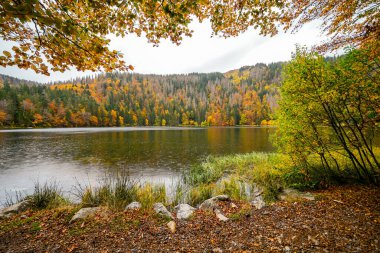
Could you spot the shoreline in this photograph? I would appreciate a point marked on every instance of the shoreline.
(344, 218)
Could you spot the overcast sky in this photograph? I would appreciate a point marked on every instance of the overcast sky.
(200, 53)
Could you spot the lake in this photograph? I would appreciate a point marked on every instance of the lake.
(155, 154)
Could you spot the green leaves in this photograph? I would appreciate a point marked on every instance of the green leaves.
(327, 108)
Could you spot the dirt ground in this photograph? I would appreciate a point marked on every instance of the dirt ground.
(341, 219)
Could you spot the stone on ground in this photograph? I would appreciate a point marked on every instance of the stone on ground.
(292, 194)
(13, 209)
(208, 204)
(133, 205)
(172, 226)
(221, 198)
(84, 213)
(211, 203)
(220, 216)
(160, 209)
(184, 211)
(258, 202)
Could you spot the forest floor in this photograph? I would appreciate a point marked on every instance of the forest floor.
(341, 219)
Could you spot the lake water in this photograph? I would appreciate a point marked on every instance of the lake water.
(153, 154)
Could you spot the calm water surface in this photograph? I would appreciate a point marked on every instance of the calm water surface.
(152, 154)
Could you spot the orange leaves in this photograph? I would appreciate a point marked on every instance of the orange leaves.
(348, 23)
(3, 116)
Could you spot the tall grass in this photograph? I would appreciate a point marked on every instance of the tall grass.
(118, 190)
(47, 195)
(233, 175)
(114, 190)
(200, 193)
(149, 194)
(11, 199)
(229, 175)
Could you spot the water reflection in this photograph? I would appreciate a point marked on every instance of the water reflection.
(154, 154)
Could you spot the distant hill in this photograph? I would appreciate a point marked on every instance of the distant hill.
(15, 81)
(246, 96)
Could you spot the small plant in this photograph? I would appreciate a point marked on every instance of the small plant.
(115, 191)
(48, 195)
(179, 193)
(148, 194)
(243, 212)
(35, 226)
(200, 193)
(233, 187)
(11, 199)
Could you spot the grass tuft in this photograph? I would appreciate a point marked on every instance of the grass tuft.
(47, 195)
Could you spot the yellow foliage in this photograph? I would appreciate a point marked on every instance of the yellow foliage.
(3, 116)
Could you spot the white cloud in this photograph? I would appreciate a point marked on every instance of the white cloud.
(200, 53)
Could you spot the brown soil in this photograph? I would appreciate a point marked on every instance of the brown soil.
(342, 219)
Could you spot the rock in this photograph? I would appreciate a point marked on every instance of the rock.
(133, 205)
(160, 209)
(257, 191)
(210, 203)
(13, 209)
(293, 194)
(258, 202)
(221, 198)
(9, 215)
(287, 249)
(220, 215)
(184, 211)
(313, 240)
(172, 226)
(84, 213)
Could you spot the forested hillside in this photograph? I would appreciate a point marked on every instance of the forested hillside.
(247, 96)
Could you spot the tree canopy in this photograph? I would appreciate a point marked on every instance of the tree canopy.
(66, 33)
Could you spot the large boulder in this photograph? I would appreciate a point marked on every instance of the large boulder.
(184, 211)
(84, 213)
(13, 209)
(160, 209)
(133, 206)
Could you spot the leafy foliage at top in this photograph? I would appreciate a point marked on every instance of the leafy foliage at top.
(69, 33)
(73, 33)
(348, 23)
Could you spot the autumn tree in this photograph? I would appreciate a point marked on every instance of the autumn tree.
(3, 117)
(68, 33)
(347, 23)
(329, 109)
